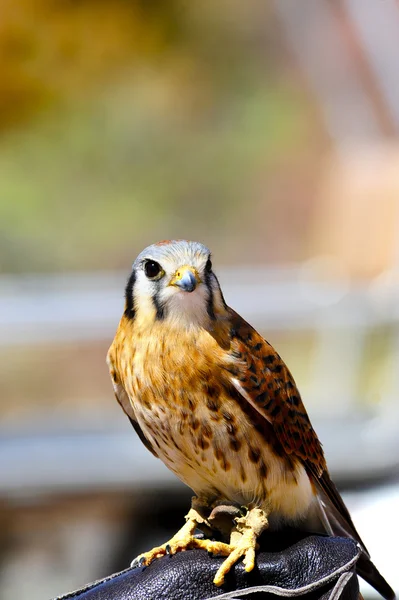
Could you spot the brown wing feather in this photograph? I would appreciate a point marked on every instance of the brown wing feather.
(269, 386)
(267, 381)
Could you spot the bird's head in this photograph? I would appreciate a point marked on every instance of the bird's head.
(174, 281)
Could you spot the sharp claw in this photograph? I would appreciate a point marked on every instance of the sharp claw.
(138, 562)
(168, 549)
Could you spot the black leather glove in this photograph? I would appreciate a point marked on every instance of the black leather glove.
(311, 568)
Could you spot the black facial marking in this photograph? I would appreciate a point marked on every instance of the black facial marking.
(159, 306)
(129, 291)
(209, 304)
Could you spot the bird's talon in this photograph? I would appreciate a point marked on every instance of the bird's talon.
(139, 561)
(167, 549)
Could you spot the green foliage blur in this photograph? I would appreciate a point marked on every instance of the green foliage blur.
(127, 122)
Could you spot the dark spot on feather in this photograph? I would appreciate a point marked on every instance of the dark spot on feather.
(206, 430)
(175, 444)
(255, 381)
(258, 347)
(218, 453)
(145, 401)
(269, 359)
(253, 454)
(252, 368)
(235, 444)
(262, 470)
(227, 416)
(262, 398)
(295, 400)
(211, 390)
(247, 387)
(194, 423)
(215, 417)
(243, 476)
(276, 411)
(156, 442)
(244, 334)
(212, 404)
(202, 443)
(222, 459)
(277, 369)
(270, 385)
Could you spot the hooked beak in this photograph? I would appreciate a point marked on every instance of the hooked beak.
(186, 278)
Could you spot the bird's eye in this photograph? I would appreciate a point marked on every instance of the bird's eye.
(152, 269)
(208, 266)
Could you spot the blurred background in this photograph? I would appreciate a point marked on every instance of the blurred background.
(267, 130)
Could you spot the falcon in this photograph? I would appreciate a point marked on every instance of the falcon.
(215, 402)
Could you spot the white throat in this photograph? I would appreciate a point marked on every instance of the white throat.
(187, 310)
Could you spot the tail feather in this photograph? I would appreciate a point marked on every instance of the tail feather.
(369, 572)
(339, 523)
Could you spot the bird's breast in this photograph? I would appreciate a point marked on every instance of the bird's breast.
(206, 433)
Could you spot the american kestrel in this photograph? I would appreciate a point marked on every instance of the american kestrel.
(215, 402)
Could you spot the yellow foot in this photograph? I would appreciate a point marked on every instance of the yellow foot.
(242, 542)
(183, 540)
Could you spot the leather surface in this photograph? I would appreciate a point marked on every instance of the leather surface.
(316, 567)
